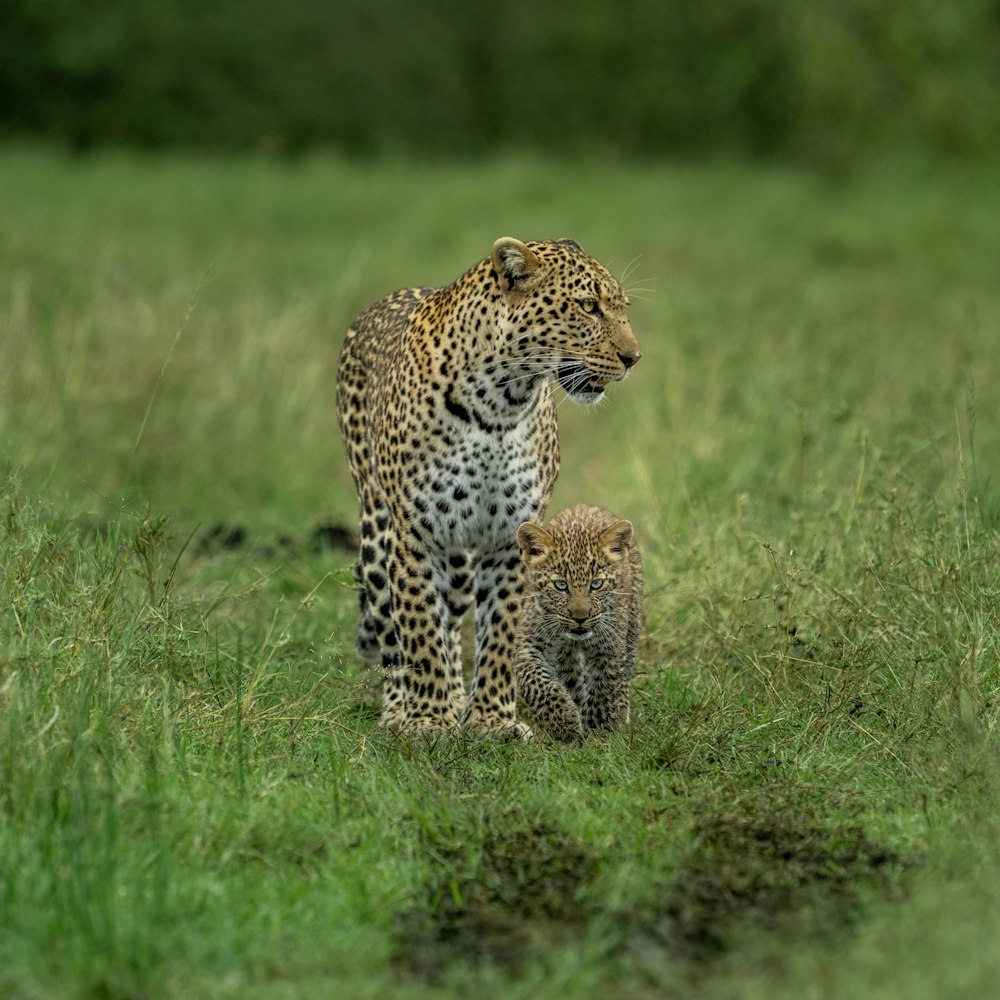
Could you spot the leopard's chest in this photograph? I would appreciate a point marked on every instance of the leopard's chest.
(474, 493)
(457, 460)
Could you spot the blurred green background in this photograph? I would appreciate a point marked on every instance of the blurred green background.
(820, 80)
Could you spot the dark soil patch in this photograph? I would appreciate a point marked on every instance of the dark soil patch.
(329, 537)
(222, 537)
(521, 896)
(769, 862)
(325, 537)
(755, 866)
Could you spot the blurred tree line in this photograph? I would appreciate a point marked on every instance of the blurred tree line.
(806, 78)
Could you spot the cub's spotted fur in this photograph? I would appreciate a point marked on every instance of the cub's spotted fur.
(581, 621)
(445, 401)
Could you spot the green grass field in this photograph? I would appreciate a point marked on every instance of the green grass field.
(195, 798)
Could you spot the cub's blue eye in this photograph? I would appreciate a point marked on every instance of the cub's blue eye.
(596, 584)
(561, 585)
(589, 306)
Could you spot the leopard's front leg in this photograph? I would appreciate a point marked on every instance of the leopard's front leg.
(457, 573)
(420, 616)
(376, 642)
(490, 710)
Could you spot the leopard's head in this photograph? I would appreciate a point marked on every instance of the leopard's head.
(566, 315)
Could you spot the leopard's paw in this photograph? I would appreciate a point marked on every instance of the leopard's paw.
(428, 727)
(486, 728)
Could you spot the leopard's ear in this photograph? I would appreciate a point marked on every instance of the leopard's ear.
(534, 542)
(515, 263)
(616, 540)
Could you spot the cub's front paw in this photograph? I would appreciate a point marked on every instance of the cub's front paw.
(564, 725)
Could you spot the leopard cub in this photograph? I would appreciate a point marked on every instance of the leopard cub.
(581, 621)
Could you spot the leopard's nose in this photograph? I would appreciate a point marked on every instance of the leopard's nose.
(629, 358)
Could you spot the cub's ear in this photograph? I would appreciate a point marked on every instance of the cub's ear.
(534, 542)
(616, 540)
(514, 263)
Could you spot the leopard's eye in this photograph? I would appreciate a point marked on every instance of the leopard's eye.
(596, 584)
(589, 306)
(561, 585)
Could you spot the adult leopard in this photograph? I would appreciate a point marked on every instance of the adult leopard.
(445, 402)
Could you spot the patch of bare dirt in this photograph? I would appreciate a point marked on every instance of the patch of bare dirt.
(520, 896)
(768, 863)
(755, 866)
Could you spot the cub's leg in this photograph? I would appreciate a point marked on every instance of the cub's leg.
(550, 701)
(604, 696)
(607, 675)
(490, 710)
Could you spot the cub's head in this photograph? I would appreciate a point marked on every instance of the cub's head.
(566, 315)
(575, 570)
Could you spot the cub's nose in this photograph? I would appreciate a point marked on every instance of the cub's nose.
(629, 358)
